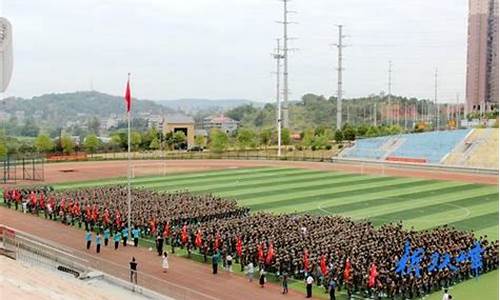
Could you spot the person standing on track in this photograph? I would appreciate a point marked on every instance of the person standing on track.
(309, 285)
(124, 235)
(117, 237)
(135, 234)
(215, 262)
(285, 283)
(98, 242)
(107, 235)
(133, 271)
(88, 238)
(159, 244)
(164, 262)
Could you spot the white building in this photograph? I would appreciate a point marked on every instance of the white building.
(6, 59)
(221, 122)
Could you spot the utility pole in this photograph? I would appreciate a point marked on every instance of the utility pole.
(277, 55)
(339, 78)
(406, 125)
(435, 98)
(285, 22)
(458, 111)
(375, 114)
(389, 88)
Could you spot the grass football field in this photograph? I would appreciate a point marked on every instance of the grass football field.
(420, 203)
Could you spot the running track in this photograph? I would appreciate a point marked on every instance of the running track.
(194, 276)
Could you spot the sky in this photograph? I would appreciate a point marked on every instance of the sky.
(222, 48)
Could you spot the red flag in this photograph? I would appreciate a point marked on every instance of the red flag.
(306, 261)
(128, 98)
(184, 234)
(322, 265)
(347, 270)
(152, 227)
(260, 252)
(217, 242)
(239, 246)
(166, 230)
(372, 275)
(270, 254)
(198, 240)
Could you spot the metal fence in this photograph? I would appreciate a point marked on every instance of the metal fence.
(16, 168)
(294, 155)
(34, 250)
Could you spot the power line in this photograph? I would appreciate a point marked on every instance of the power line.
(339, 78)
(278, 56)
(285, 23)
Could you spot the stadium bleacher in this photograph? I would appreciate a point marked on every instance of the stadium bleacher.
(479, 150)
(429, 147)
(367, 148)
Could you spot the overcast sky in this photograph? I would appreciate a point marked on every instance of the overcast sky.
(221, 48)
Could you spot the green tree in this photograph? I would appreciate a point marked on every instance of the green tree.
(339, 137)
(155, 144)
(246, 138)
(319, 142)
(3, 149)
(200, 141)
(362, 129)
(135, 140)
(285, 136)
(349, 133)
(3, 145)
(372, 131)
(308, 137)
(218, 141)
(265, 137)
(67, 144)
(44, 143)
(179, 139)
(91, 143)
(115, 142)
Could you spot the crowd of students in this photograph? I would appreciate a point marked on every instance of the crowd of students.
(332, 251)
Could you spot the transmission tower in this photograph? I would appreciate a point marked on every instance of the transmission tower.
(285, 23)
(339, 78)
(278, 56)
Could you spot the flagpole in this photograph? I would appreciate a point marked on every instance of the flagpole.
(129, 196)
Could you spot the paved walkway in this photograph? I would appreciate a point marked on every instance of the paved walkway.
(185, 279)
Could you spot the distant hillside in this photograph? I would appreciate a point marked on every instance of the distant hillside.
(194, 106)
(63, 107)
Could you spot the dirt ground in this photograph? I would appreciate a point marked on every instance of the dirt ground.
(77, 171)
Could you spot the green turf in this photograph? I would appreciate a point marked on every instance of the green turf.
(420, 203)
